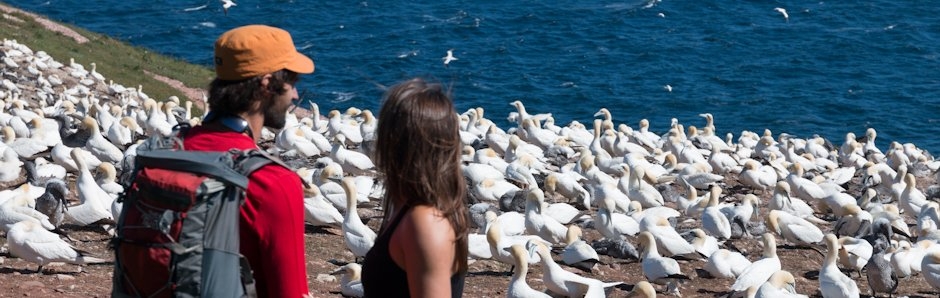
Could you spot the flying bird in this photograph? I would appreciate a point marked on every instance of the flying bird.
(226, 4)
(450, 57)
(784, 13)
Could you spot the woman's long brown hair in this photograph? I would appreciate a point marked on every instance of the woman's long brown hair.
(418, 151)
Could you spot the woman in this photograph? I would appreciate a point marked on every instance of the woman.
(421, 250)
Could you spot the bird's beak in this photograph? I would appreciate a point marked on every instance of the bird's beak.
(338, 271)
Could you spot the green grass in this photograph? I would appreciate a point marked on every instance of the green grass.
(116, 60)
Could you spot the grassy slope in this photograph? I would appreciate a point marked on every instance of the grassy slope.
(116, 60)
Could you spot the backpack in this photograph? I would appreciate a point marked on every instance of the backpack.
(178, 231)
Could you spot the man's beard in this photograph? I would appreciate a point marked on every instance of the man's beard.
(275, 119)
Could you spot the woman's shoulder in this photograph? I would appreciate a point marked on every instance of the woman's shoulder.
(425, 220)
(425, 215)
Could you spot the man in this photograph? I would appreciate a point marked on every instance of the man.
(257, 68)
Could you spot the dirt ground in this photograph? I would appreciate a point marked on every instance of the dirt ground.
(486, 278)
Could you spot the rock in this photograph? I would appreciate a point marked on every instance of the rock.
(30, 284)
(326, 278)
(64, 277)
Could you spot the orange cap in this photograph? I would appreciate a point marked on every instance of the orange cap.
(254, 50)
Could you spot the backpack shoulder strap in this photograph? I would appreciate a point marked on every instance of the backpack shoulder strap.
(249, 161)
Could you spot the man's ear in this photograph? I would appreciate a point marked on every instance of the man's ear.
(265, 81)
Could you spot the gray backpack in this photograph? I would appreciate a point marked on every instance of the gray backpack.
(178, 231)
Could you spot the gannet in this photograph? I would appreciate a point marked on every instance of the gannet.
(578, 253)
(781, 200)
(714, 222)
(759, 271)
(560, 281)
(226, 4)
(318, 211)
(881, 278)
(449, 58)
(359, 237)
(658, 269)
(569, 185)
(780, 285)
(350, 282)
(642, 289)
(53, 201)
(794, 229)
(95, 203)
(832, 282)
(353, 162)
(28, 241)
(930, 267)
(537, 223)
(499, 242)
(854, 253)
(757, 177)
(640, 191)
(518, 288)
(613, 225)
(668, 241)
(726, 264)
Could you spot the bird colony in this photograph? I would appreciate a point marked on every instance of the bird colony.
(555, 202)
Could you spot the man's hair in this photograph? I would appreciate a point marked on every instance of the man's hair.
(235, 97)
(418, 150)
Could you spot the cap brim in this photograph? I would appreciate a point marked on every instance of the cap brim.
(300, 63)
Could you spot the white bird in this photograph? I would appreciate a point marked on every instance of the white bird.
(318, 211)
(95, 202)
(783, 12)
(642, 289)
(292, 138)
(30, 242)
(500, 243)
(449, 58)
(911, 200)
(578, 253)
(122, 132)
(832, 282)
(226, 4)
(759, 271)
(930, 267)
(518, 288)
(726, 264)
(569, 185)
(656, 268)
(781, 284)
(537, 223)
(353, 162)
(667, 87)
(793, 229)
(19, 209)
(668, 241)
(560, 281)
(757, 176)
(704, 244)
(350, 282)
(854, 253)
(11, 167)
(714, 222)
(359, 237)
(107, 180)
(613, 225)
(781, 200)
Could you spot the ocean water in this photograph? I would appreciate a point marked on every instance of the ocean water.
(830, 68)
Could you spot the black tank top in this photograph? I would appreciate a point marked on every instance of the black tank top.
(381, 277)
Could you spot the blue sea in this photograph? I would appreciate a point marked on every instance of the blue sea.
(829, 68)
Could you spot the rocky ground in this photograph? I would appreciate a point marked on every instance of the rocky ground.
(325, 249)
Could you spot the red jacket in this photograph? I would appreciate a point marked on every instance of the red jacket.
(272, 218)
